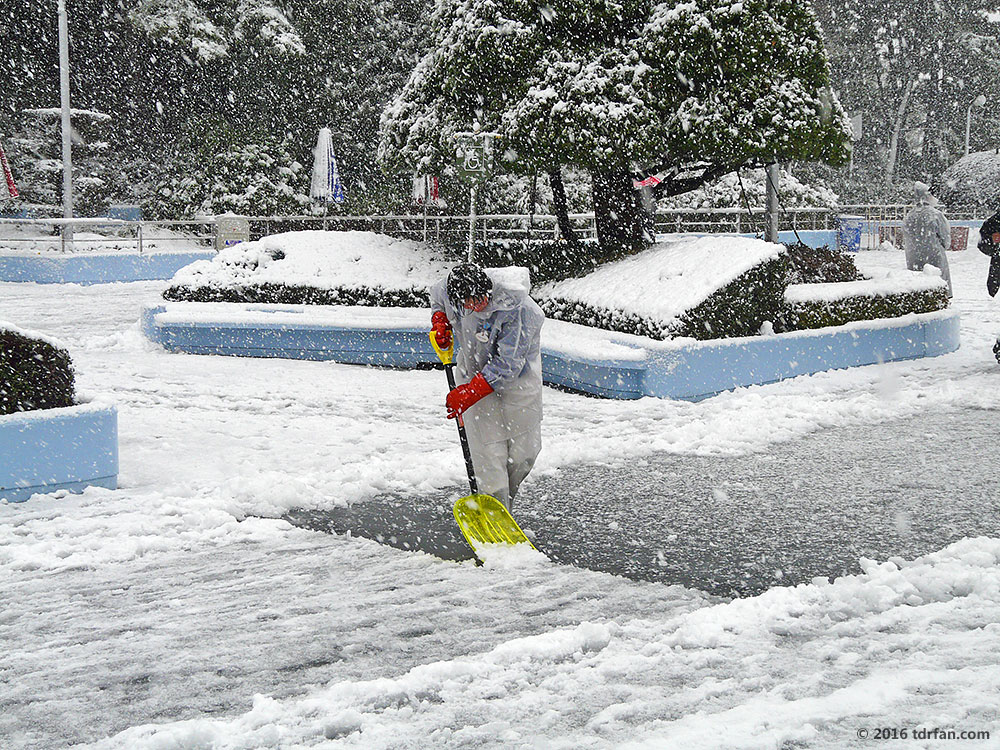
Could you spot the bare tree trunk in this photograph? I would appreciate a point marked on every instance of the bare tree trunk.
(890, 164)
(617, 214)
(561, 207)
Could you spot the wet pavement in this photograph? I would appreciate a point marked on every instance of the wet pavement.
(736, 526)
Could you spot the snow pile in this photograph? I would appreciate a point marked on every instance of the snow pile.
(886, 283)
(667, 280)
(323, 260)
(509, 556)
(810, 666)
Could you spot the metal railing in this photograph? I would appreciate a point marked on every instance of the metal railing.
(109, 234)
(443, 229)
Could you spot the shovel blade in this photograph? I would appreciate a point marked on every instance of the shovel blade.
(484, 520)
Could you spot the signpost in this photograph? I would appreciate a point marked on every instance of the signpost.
(474, 160)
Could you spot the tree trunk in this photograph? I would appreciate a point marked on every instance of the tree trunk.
(617, 214)
(890, 166)
(561, 207)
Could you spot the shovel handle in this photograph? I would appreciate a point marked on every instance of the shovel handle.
(447, 359)
(449, 370)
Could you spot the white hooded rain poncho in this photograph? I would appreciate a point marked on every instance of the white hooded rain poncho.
(926, 235)
(503, 342)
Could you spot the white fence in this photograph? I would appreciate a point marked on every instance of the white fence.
(115, 234)
(443, 229)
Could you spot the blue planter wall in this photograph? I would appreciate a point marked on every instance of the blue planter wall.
(58, 449)
(642, 367)
(95, 269)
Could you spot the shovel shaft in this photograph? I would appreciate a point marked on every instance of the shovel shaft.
(449, 371)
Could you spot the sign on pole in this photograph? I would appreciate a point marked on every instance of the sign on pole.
(474, 155)
(474, 160)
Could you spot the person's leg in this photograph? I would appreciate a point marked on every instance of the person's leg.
(522, 450)
(946, 272)
(489, 460)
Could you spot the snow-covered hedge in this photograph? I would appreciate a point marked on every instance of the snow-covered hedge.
(700, 287)
(833, 304)
(315, 267)
(703, 288)
(809, 265)
(547, 260)
(35, 372)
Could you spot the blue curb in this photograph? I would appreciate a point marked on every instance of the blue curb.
(58, 449)
(95, 269)
(689, 370)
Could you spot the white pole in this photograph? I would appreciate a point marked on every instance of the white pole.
(979, 101)
(472, 224)
(67, 143)
(968, 127)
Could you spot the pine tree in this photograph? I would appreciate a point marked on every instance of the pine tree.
(695, 89)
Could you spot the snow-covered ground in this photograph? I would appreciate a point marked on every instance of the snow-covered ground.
(179, 612)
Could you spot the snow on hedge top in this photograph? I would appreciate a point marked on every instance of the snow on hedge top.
(670, 278)
(324, 260)
(891, 281)
(45, 338)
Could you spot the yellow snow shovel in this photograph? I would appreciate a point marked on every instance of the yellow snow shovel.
(482, 518)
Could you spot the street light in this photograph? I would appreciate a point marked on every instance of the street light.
(67, 148)
(979, 101)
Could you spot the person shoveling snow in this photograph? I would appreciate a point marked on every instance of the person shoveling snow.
(497, 328)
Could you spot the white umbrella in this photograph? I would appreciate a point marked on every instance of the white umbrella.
(326, 185)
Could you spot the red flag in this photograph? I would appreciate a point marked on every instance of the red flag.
(11, 185)
(426, 191)
(652, 181)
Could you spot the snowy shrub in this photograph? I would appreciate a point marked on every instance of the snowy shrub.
(251, 180)
(702, 288)
(808, 265)
(973, 181)
(315, 268)
(738, 309)
(726, 193)
(34, 374)
(806, 314)
(295, 294)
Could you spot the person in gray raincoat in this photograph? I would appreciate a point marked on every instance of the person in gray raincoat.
(497, 328)
(926, 234)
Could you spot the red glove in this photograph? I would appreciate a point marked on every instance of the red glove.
(464, 396)
(442, 330)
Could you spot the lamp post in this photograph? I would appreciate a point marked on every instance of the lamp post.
(979, 101)
(67, 143)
